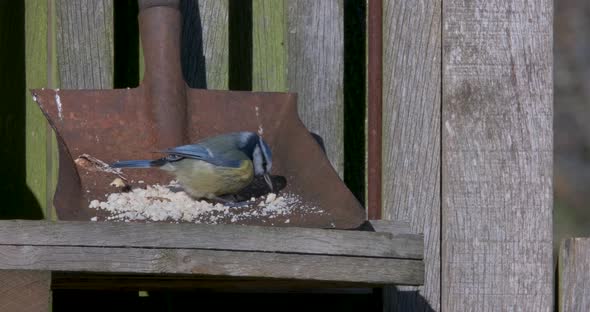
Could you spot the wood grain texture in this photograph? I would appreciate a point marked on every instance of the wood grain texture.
(411, 136)
(574, 275)
(213, 262)
(85, 44)
(82, 56)
(315, 67)
(36, 60)
(25, 291)
(269, 66)
(205, 43)
(218, 237)
(497, 145)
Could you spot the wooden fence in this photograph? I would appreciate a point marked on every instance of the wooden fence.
(467, 116)
(574, 275)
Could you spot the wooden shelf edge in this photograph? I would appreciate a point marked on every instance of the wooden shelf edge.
(213, 237)
(232, 251)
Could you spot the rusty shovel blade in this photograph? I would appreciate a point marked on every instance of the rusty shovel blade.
(112, 125)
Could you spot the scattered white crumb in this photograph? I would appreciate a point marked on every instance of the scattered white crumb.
(93, 219)
(140, 182)
(270, 198)
(166, 203)
(94, 204)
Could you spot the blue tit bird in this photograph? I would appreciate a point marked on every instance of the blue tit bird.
(216, 166)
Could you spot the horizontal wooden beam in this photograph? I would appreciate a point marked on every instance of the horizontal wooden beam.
(212, 237)
(378, 271)
(280, 253)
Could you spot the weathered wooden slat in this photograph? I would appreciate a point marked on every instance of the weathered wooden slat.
(574, 275)
(497, 156)
(38, 159)
(81, 57)
(269, 66)
(315, 64)
(25, 291)
(205, 43)
(219, 237)
(411, 136)
(213, 262)
(85, 44)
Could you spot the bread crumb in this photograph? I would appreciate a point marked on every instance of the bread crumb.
(168, 203)
(270, 198)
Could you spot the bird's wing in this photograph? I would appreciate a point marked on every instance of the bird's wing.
(197, 151)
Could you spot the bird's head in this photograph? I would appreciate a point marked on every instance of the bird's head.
(261, 156)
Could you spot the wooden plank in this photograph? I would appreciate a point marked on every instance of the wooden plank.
(269, 65)
(219, 237)
(411, 136)
(51, 144)
(83, 51)
(315, 67)
(205, 43)
(574, 275)
(37, 76)
(497, 156)
(85, 44)
(25, 291)
(213, 262)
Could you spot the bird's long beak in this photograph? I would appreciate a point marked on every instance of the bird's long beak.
(268, 181)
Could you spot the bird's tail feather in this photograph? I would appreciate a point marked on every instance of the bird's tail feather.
(137, 164)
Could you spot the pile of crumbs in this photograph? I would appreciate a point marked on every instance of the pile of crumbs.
(170, 204)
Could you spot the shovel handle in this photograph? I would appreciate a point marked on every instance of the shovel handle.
(160, 26)
(144, 4)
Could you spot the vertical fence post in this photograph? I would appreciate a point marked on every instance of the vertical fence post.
(315, 68)
(574, 275)
(411, 136)
(497, 153)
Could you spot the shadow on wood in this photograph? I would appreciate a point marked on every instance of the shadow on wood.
(193, 300)
(192, 54)
(19, 199)
(396, 299)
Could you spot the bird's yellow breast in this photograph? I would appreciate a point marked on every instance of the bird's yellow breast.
(204, 180)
